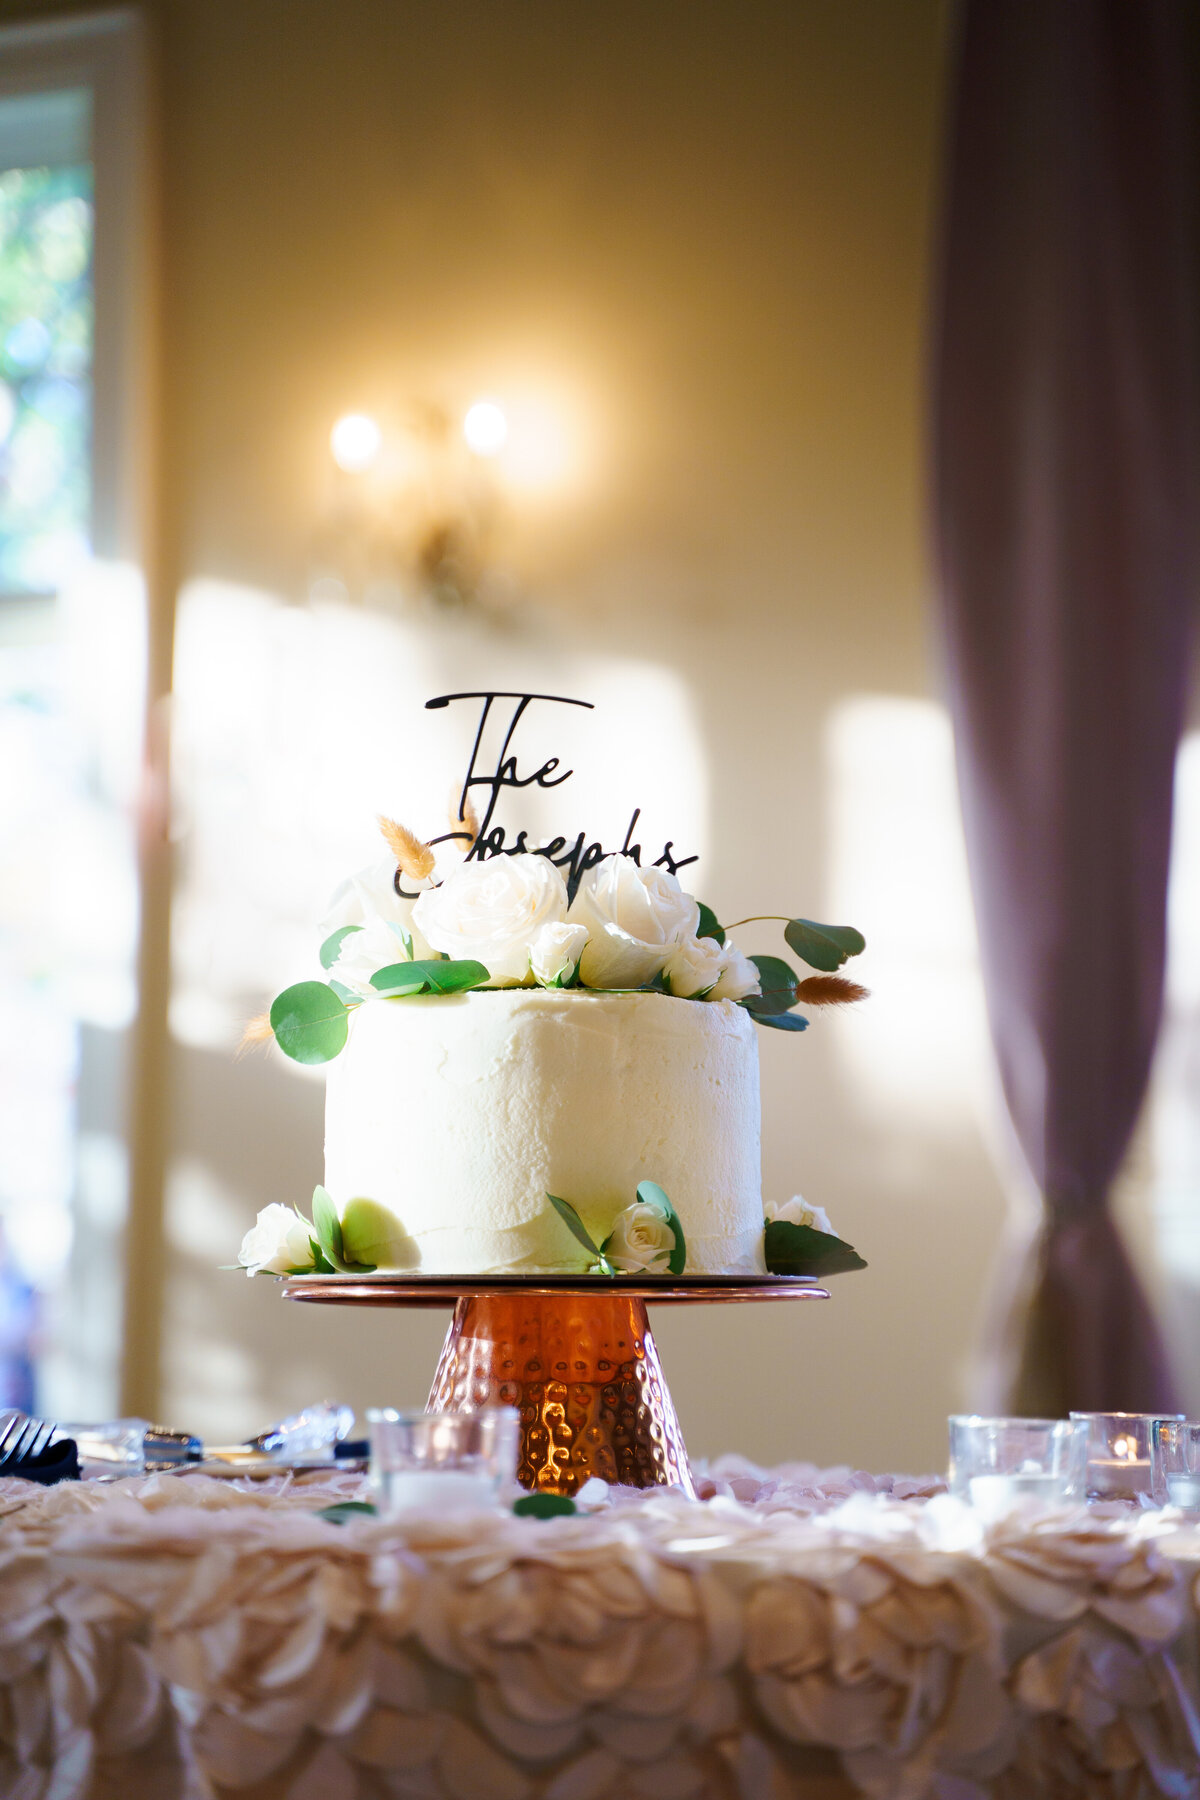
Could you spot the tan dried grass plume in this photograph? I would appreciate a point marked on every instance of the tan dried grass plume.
(463, 817)
(830, 990)
(257, 1031)
(415, 858)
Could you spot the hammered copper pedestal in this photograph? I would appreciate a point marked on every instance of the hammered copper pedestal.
(576, 1359)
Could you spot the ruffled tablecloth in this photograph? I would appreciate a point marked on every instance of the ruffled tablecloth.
(796, 1634)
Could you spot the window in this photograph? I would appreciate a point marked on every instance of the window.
(45, 338)
(72, 662)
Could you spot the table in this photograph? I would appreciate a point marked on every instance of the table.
(796, 1633)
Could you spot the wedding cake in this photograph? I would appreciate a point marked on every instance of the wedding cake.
(542, 1064)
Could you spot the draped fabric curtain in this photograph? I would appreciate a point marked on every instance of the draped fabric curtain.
(1065, 500)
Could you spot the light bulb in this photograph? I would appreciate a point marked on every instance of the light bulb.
(485, 428)
(355, 441)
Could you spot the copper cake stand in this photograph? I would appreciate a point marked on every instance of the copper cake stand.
(574, 1355)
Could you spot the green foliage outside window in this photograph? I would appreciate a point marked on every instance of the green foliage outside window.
(45, 374)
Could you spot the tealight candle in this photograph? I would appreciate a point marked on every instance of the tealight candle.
(1118, 1464)
(1002, 1466)
(445, 1464)
(1175, 1463)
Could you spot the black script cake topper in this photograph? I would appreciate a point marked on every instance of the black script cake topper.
(575, 856)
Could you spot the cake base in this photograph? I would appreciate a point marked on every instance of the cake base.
(583, 1373)
(578, 1362)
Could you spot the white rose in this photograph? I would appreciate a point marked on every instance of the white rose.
(739, 977)
(492, 911)
(371, 896)
(555, 951)
(797, 1211)
(693, 967)
(634, 918)
(277, 1241)
(641, 1239)
(373, 946)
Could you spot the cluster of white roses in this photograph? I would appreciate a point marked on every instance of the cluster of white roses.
(625, 926)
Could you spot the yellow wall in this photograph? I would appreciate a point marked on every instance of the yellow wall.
(709, 224)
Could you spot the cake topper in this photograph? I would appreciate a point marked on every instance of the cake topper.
(575, 857)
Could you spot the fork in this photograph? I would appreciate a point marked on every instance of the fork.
(21, 1437)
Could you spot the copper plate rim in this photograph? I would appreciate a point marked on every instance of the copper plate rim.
(440, 1290)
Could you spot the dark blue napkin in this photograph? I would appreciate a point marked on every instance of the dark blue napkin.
(60, 1462)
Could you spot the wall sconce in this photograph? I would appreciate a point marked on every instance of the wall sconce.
(416, 507)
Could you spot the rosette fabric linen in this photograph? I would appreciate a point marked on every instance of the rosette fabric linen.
(491, 912)
(634, 917)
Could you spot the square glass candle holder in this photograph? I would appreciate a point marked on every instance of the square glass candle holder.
(444, 1463)
(1000, 1466)
(1175, 1463)
(1118, 1458)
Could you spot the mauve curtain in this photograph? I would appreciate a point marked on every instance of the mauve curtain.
(1065, 500)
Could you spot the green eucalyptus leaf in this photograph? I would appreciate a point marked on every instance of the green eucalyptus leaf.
(346, 995)
(331, 948)
(440, 976)
(397, 980)
(321, 1264)
(789, 1021)
(650, 1194)
(328, 1227)
(540, 1506)
(446, 977)
(778, 982)
(309, 1022)
(709, 926)
(823, 947)
(344, 1512)
(573, 1223)
(803, 1250)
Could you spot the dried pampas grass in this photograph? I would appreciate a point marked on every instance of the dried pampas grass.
(830, 990)
(415, 858)
(257, 1031)
(463, 817)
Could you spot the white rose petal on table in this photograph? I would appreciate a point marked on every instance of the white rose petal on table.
(634, 917)
(491, 912)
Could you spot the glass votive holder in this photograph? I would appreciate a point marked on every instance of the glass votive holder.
(442, 1462)
(1175, 1463)
(1118, 1457)
(1000, 1466)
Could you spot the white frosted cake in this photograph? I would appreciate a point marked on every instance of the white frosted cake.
(459, 1114)
(541, 1061)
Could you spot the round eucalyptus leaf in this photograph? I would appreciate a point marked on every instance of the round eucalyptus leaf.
(823, 947)
(309, 1022)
